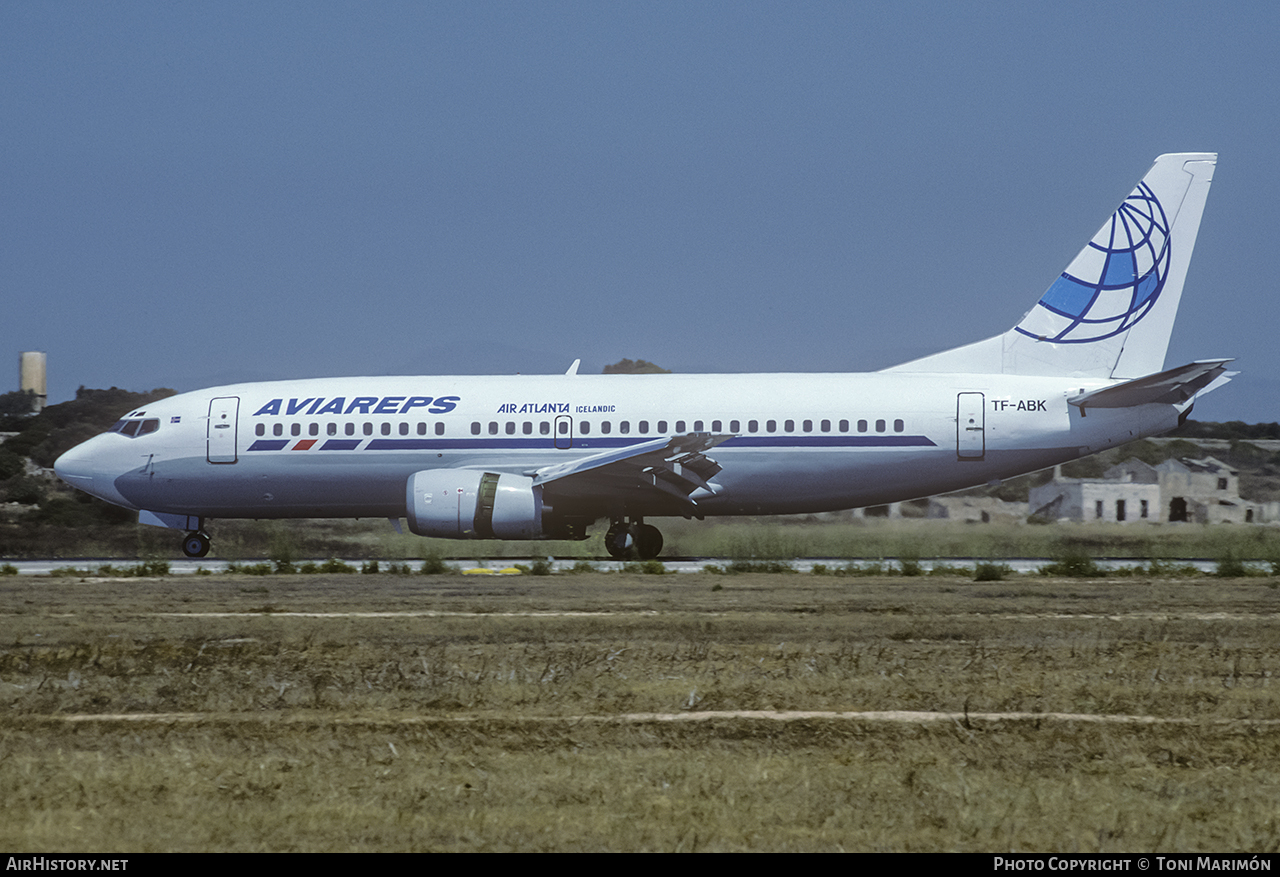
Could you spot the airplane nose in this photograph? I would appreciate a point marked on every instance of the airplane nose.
(81, 467)
(76, 468)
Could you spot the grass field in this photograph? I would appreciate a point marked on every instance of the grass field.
(629, 712)
(774, 538)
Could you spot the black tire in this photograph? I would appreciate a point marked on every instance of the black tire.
(195, 545)
(648, 541)
(616, 541)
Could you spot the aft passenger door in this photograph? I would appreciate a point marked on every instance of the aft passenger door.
(223, 417)
(971, 437)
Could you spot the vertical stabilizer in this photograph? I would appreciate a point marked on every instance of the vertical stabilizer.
(1111, 312)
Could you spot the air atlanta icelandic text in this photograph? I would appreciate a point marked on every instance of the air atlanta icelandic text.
(314, 405)
(554, 408)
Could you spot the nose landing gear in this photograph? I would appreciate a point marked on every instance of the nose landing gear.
(195, 544)
(632, 541)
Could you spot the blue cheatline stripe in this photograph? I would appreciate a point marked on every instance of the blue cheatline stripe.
(587, 443)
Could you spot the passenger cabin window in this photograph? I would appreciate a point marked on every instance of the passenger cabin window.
(584, 427)
(440, 428)
(862, 426)
(313, 429)
(475, 428)
(605, 426)
(296, 429)
(808, 426)
(368, 428)
(350, 429)
(789, 426)
(879, 426)
(511, 427)
(735, 426)
(624, 427)
(331, 430)
(771, 426)
(493, 427)
(278, 429)
(260, 429)
(844, 426)
(643, 427)
(899, 426)
(544, 428)
(753, 426)
(662, 426)
(826, 426)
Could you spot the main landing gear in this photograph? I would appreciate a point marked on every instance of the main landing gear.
(635, 540)
(195, 544)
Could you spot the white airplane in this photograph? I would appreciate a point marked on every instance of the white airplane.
(545, 457)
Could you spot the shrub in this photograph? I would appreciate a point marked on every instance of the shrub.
(773, 566)
(991, 572)
(434, 565)
(910, 566)
(1073, 564)
(1230, 567)
(646, 567)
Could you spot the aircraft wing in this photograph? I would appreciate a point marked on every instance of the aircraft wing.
(678, 466)
(1171, 387)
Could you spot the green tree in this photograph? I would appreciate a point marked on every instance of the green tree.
(636, 367)
(17, 402)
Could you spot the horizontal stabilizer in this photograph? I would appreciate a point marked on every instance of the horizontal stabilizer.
(1171, 387)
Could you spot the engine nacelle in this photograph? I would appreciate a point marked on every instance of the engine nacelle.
(471, 504)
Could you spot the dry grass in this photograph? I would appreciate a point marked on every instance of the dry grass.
(495, 714)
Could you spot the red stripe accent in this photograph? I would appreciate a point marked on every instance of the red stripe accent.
(304, 445)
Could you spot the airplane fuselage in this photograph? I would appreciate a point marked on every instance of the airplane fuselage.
(799, 443)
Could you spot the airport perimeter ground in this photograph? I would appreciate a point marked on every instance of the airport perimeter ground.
(639, 712)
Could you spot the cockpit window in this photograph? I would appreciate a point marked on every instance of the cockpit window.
(134, 427)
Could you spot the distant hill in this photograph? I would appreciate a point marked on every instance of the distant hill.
(635, 367)
(37, 440)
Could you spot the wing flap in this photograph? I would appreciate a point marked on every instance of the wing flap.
(677, 466)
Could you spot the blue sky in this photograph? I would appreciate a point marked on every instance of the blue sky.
(193, 194)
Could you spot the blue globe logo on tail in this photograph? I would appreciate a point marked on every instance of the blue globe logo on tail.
(1114, 282)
